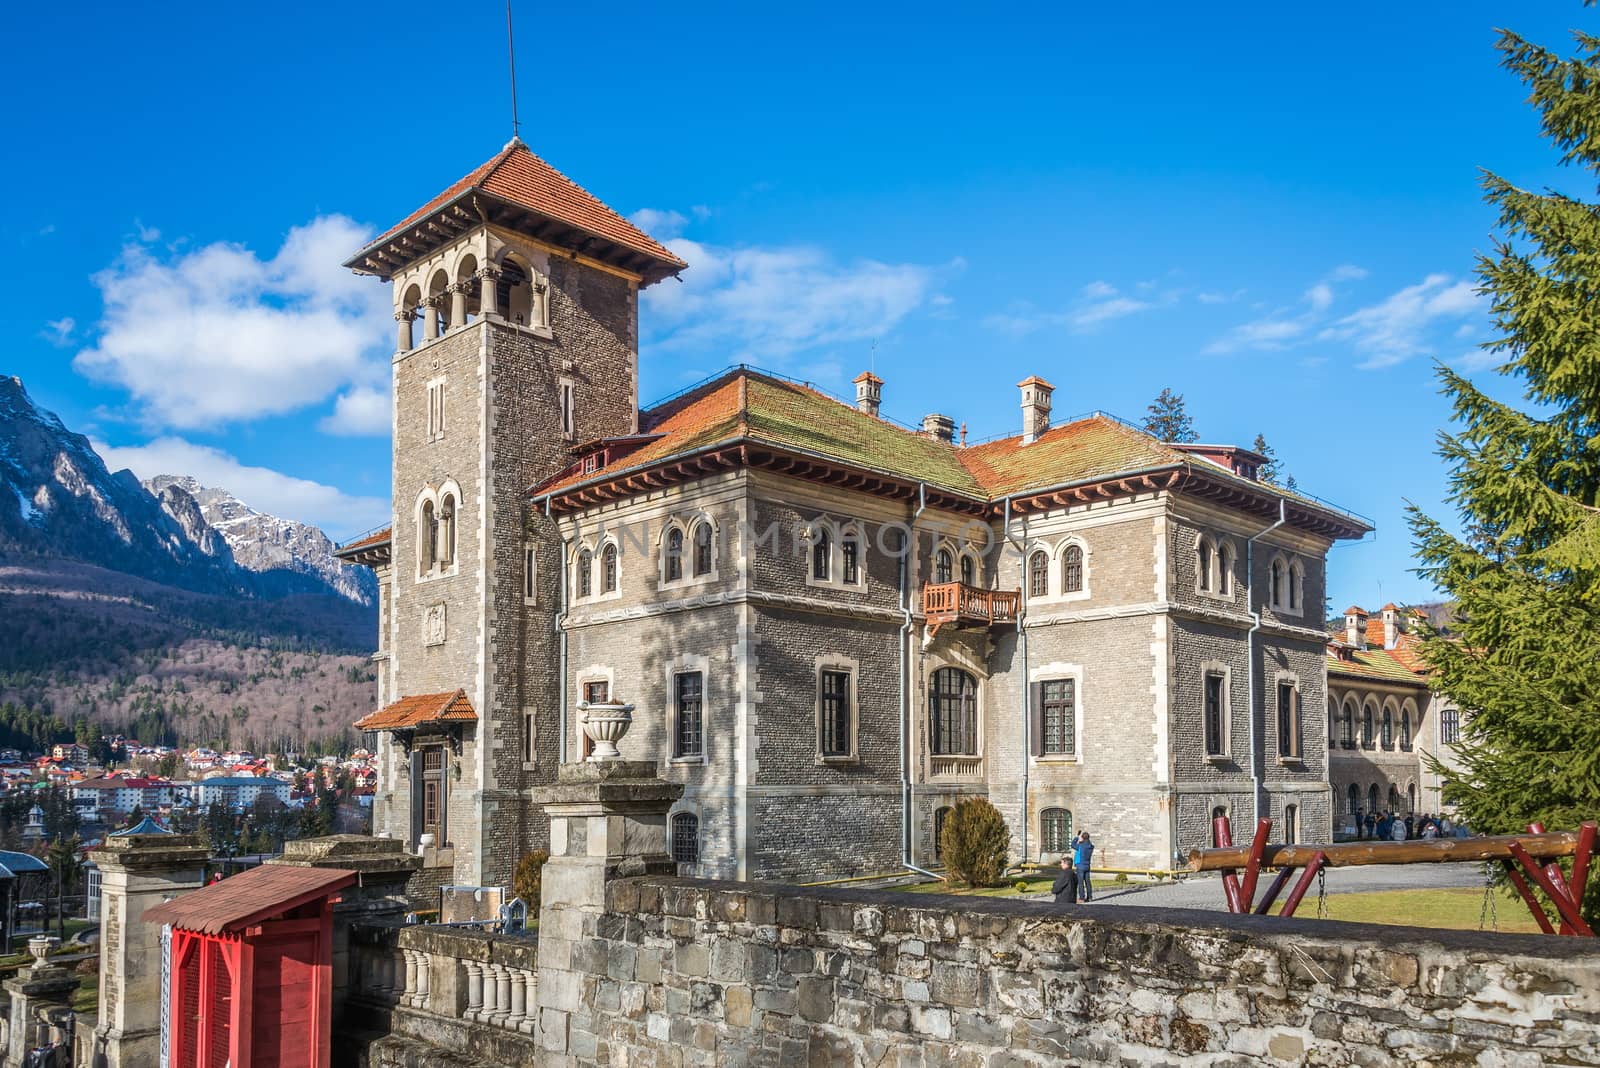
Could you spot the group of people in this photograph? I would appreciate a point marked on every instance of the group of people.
(1072, 884)
(1388, 827)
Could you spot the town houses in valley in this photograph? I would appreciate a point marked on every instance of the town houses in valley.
(831, 627)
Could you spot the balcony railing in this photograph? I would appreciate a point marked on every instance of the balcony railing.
(958, 603)
(955, 768)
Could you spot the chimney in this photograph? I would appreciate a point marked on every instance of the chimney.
(869, 392)
(1355, 627)
(1035, 407)
(1391, 626)
(939, 427)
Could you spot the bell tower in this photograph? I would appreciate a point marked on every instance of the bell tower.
(516, 303)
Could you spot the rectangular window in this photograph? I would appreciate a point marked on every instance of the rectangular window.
(569, 426)
(436, 409)
(432, 791)
(835, 741)
(1216, 739)
(527, 738)
(1449, 725)
(1058, 710)
(530, 575)
(689, 740)
(850, 550)
(1288, 721)
(596, 693)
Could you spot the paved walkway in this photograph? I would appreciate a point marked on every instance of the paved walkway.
(1205, 891)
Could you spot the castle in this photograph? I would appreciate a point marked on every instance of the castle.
(832, 627)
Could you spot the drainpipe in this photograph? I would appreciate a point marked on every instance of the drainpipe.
(1250, 651)
(1022, 649)
(905, 688)
(561, 644)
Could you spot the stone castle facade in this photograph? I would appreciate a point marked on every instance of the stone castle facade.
(832, 627)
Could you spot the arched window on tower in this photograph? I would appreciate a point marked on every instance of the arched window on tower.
(585, 573)
(1388, 728)
(1276, 588)
(702, 550)
(1225, 570)
(821, 554)
(1202, 565)
(1039, 574)
(673, 564)
(608, 569)
(446, 553)
(1072, 570)
(427, 539)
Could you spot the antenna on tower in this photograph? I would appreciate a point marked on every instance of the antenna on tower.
(511, 48)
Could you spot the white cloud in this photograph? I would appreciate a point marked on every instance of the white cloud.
(765, 303)
(1098, 302)
(59, 331)
(1319, 296)
(1217, 297)
(218, 334)
(261, 488)
(358, 412)
(1479, 360)
(1394, 329)
(1284, 326)
(1099, 290)
(1347, 272)
(1104, 311)
(662, 225)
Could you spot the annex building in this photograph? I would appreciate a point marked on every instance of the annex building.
(832, 626)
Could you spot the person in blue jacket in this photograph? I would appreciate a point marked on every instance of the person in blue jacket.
(1082, 855)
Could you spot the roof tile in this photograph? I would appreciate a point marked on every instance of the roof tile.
(248, 897)
(420, 708)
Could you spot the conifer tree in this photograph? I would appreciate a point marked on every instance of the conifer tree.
(1525, 572)
(1272, 471)
(1168, 420)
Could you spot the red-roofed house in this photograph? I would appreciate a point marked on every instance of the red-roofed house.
(833, 626)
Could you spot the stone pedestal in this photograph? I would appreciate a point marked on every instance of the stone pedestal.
(608, 820)
(33, 992)
(136, 872)
(379, 895)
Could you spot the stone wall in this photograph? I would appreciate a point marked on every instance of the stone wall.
(694, 972)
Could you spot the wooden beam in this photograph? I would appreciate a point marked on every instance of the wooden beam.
(1421, 851)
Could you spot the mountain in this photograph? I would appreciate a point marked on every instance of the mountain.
(217, 521)
(57, 499)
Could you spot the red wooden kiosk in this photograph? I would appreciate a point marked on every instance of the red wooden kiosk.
(250, 968)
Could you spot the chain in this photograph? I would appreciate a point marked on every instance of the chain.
(1487, 913)
(1322, 893)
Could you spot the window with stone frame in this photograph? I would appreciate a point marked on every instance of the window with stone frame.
(1347, 735)
(1072, 569)
(1055, 830)
(1054, 725)
(608, 569)
(1275, 587)
(689, 725)
(596, 692)
(432, 813)
(1353, 800)
(436, 409)
(585, 573)
(837, 716)
(1405, 729)
(1372, 798)
(1202, 565)
(1288, 721)
(1411, 797)
(530, 575)
(1225, 570)
(702, 550)
(1216, 724)
(1449, 726)
(569, 410)
(821, 554)
(969, 570)
(1291, 824)
(1297, 584)
(1388, 728)
(944, 567)
(672, 565)
(686, 838)
(953, 713)
(528, 752)
(446, 552)
(427, 539)
(1366, 727)
(850, 556)
(1039, 574)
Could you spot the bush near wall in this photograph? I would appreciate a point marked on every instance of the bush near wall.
(974, 843)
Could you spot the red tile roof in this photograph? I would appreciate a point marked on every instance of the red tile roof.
(1072, 452)
(1379, 664)
(517, 175)
(420, 708)
(249, 897)
(375, 538)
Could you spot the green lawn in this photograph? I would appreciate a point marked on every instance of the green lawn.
(1454, 908)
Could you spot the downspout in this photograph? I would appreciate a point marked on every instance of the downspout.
(1250, 651)
(1022, 649)
(905, 689)
(561, 644)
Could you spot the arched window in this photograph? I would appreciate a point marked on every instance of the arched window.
(672, 556)
(1039, 574)
(939, 816)
(1388, 728)
(850, 555)
(1202, 564)
(1225, 570)
(1366, 732)
(953, 713)
(1353, 799)
(1072, 570)
(427, 538)
(821, 555)
(1405, 728)
(686, 838)
(1411, 797)
(969, 570)
(1277, 584)
(1055, 830)
(1348, 734)
(585, 573)
(1394, 799)
(447, 531)
(608, 569)
(944, 566)
(1372, 798)
(702, 550)
(1297, 581)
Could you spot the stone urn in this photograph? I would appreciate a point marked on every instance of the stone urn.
(40, 946)
(605, 722)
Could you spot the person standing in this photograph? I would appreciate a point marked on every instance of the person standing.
(1065, 888)
(1082, 856)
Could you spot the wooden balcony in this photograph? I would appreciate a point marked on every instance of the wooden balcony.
(963, 605)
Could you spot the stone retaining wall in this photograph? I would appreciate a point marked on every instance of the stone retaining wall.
(690, 972)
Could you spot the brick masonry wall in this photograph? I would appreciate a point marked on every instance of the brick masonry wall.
(696, 973)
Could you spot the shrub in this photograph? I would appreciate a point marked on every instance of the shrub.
(526, 879)
(1122, 877)
(974, 842)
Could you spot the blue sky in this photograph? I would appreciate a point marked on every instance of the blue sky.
(1270, 208)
